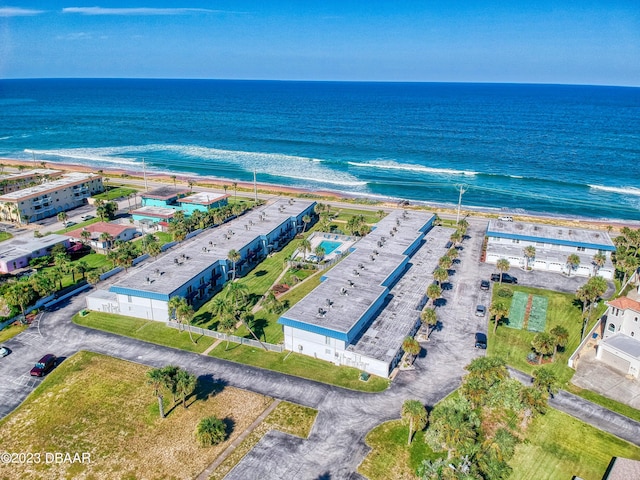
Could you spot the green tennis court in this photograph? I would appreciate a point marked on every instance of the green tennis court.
(538, 314)
(517, 310)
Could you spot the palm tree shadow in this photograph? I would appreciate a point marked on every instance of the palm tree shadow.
(324, 476)
(206, 387)
(229, 426)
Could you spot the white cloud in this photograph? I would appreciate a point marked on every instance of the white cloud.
(18, 12)
(135, 11)
(75, 36)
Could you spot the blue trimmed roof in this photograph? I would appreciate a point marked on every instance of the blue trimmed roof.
(313, 329)
(139, 293)
(555, 241)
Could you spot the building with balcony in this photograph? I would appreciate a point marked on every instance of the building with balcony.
(620, 344)
(48, 199)
(16, 181)
(552, 244)
(199, 267)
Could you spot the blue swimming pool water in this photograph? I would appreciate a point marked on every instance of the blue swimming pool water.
(328, 246)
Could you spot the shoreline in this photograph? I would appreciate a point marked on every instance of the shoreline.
(215, 182)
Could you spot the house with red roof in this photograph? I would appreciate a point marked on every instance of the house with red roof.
(116, 231)
(620, 345)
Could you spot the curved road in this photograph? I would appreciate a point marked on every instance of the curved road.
(336, 445)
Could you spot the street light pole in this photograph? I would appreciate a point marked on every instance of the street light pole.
(462, 190)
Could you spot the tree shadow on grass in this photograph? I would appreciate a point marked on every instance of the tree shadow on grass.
(261, 273)
(206, 386)
(229, 426)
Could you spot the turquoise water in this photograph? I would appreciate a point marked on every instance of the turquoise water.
(555, 149)
(328, 246)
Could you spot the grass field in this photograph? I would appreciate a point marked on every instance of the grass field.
(299, 366)
(5, 236)
(11, 331)
(147, 330)
(287, 417)
(559, 446)
(514, 345)
(76, 227)
(115, 192)
(102, 406)
(390, 456)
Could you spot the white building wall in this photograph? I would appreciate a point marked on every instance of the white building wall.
(145, 308)
(102, 305)
(313, 344)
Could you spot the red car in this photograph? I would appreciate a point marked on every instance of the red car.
(44, 366)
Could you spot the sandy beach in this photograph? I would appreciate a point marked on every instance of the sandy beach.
(213, 182)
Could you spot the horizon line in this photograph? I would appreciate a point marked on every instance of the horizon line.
(329, 81)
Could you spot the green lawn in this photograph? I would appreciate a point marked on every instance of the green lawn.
(147, 330)
(5, 236)
(11, 331)
(163, 237)
(299, 366)
(115, 192)
(79, 225)
(560, 446)
(513, 345)
(390, 456)
(370, 216)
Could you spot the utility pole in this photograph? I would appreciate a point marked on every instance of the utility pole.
(462, 190)
(255, 186)
(144, 173)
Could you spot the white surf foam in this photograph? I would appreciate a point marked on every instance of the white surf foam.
(620, 190)
(391, 165)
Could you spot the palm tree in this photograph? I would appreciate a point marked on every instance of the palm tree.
(305, 220)
(456, 237)
(225, 188)
(573, 261)
(412, 347)
(19, 294)
(154, 249)
(62, 218)
(503, 266)
(156, 379)
(498, 310)
(434, 292)
(93, 277)
(185, 385)
(211, 431)
(428, 316)
(445, 262)
(234, 256)
(529, 253)
(235, 190)
(599, 259)
(85, 237)
(191, 183)
(545, 379)
(414, 413)
(305, 245)
(381, 213)
(175, 187)
(561, 335)
(319, 252)
(184, 314)
(440, 275)
(174, 305)
(544, 344)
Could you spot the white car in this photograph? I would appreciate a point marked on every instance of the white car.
(4, 351)
(506, 219)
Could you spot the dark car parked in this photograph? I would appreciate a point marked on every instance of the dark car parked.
(506, 278)
(44, 365)
(481, 340)
(484, 285)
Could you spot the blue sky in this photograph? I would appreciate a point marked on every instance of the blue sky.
(553, 41)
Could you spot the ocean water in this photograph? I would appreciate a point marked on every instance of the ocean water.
(569, 150)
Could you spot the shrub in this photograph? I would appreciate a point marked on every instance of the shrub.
(505, 292)
(211, 431)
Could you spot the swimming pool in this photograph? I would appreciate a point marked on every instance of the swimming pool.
(328, 246)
